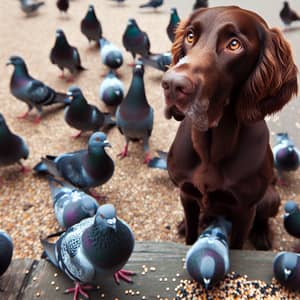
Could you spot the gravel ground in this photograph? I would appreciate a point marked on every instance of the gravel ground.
(145, 198)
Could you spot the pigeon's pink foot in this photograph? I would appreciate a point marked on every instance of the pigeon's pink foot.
(76, 136)
(62, 75)
(124, 152)
(124, 275)
(282, 183)
(23, 116)
(96, 195)
(24, 169)
(147, 158)
(79, 290)
(70, 79)
(37, 120)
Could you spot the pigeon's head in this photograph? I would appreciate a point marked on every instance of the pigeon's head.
(60, 35)
(74, 92)
(98, 140)
(289, 263)
(106, 214)
(131, 22)
(138, 68)
(15, 60)
(290, 207)
(91, 7)
(173, 10)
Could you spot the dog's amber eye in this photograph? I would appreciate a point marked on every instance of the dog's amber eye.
(234, 44)
(190, 37)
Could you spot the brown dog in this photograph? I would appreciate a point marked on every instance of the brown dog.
(229, 71)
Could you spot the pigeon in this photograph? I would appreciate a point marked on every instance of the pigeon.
(159, 61)
(64, 55)
(71, 205)
(173, 23)
(291, 219)
(94, 249)
(200, 4)
(135, 41)
(12, 147)
(84, 169)
(83, 116)
(153, 4)
(6, 251)
(90, 25)
(286, 155)
(111, 90)
(29, 7)
(111, 55)
(288, 15)
(134, 115)
(62, 5)
(207, 261)
(159, 162)
(286, 269)
(31, 91)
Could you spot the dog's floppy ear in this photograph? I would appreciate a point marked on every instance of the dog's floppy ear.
(272, 84)
(177, 47)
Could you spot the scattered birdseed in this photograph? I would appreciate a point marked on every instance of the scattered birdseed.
(55, 274)
(152, 269)
(34, 278)
(57, 288)
(37, 294)
(27, 272)
(52, 282)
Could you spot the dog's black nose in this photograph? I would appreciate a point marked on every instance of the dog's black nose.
(177, 86)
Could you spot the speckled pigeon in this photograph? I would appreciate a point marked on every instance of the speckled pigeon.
(111, 90)
(12, 147)
(94, 249)
(62, 5)
(173, 23)
(207, 261)
(84, 116)
(71, 205)
(286, 269)
(291, 219)
(90, 25)
(159, 61)
(6, 251)
(152, 3)
(134, 115)
(84, 169)
(286, 155)
(31, 91)
(29, 7)
(64, 55)
(200, 4)
(288, 15)
(111, 55)
(135, 41)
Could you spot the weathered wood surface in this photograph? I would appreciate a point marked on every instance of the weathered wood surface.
(167, 259)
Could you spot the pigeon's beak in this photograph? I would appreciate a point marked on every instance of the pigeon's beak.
(112, 223)
(9, 63)
(106, 144)
(70, 95)
(206, 282)
(287, 272)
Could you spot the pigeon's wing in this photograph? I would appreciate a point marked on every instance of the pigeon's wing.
(150, 120)
(49, 249)
(76, 56)
(38, 92)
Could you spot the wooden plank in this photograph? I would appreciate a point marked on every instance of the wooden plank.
(13, 280)
(165, 257)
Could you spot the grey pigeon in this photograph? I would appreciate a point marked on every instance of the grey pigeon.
(29, 7)
(159, 61)
(111, 90)
(207, 261)
(111, 55)
(160, 161)
(200, 4)
(64, 55)
(31, 91)
(286, 155)
(288, 15)
(90, 25)
(134, 115)
(136, 41)
(152, 4)
(291, 219)
(6, 251)
(83, 116)
(62, 5)
(71, 205)
(173, 23)
(96, 248)
(84, 169)
(286, 269)
(12, 147)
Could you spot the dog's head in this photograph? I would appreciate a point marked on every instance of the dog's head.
(228, 56)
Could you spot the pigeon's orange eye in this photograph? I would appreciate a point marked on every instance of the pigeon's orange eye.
(190, 37)
(234, 44)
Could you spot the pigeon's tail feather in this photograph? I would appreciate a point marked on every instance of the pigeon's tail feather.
(51, 166)
(108, 121)
(158, 163)
(49, 251)
(40, 3)
(145, 5)
(62, 98)
(81, 68)
(41, 168)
